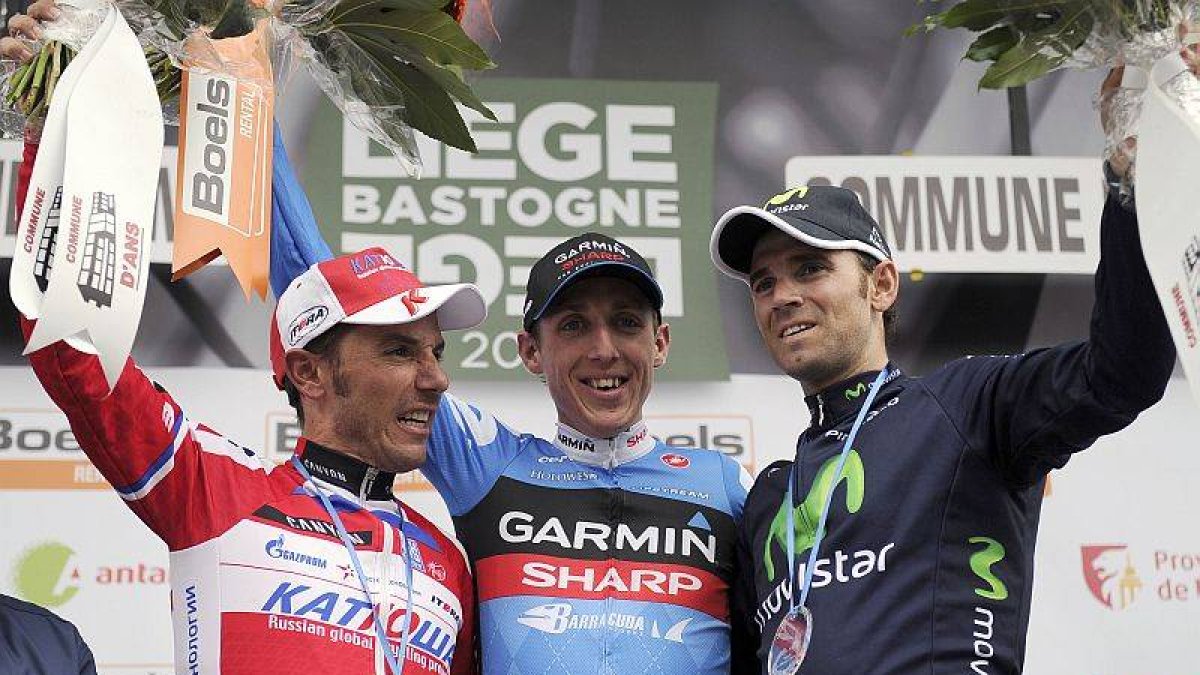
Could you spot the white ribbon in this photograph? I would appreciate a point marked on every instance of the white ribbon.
(1169, 211)
(112, 152)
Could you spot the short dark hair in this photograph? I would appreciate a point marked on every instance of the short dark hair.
(868, 263)
(326, 344)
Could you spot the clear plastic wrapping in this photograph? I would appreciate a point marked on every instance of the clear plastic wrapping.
(369, 77)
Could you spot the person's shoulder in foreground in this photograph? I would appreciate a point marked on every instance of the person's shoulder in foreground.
(35, 641)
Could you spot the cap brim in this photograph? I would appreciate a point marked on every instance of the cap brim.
(736, 233)
(458, 306)
(635, 275)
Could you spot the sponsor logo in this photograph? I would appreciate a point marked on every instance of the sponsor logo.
(1118, 575)
(415, 559)
(191, 603)
(840, 567)
(785, 197)
(730, 434)
(676, 461)
(877, 239)
(808, 512)
(355, 614)
(1185, 319)
(853, 393)
(609, 580)
(552, 460)
(567, 259)
(275, 549)
(445, 607)
(675, 492)
(981, 564)
(49, 574)
(308, 321)
(366, 264)
(1110, 575)
(584, 444)
(314, 525)
(518, 527)
(207, 167)
(411, 299)
(633, 440)
(570, 476)
(983, 620)
(559, 617)
(99, 266)
(437, 571)
(1189, 308)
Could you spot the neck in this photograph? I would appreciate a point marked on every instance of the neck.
(338, 468)
(871, 360)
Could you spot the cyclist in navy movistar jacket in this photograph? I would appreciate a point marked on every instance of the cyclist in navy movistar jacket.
(602, 550)
(926, 564)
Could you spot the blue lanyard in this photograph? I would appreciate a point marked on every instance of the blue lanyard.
(820, 533)
(380, 634)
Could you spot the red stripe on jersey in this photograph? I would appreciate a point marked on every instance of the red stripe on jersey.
(538, 575)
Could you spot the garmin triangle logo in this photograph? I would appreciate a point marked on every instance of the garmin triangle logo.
(699, 521)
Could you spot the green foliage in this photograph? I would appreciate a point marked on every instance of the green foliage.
(404, 56)
(1025, 39)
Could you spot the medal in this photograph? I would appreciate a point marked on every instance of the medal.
(794, 632)
(790, 643)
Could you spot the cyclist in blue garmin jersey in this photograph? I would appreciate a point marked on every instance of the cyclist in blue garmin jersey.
(901, 538)
(602, 550)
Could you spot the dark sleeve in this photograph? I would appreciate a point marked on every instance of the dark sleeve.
(744, 636)
(1030, 412)
(87, 663)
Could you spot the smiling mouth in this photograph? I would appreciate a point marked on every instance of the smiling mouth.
(418, 419)
(605, 383)
(795, 329)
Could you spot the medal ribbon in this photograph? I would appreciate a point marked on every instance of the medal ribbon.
(820, 533)
(380, 634)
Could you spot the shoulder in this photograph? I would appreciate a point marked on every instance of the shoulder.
(32, 616)
(446, 542)
(770, 481)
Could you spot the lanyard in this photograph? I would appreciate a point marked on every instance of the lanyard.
(820, 533)
(380, 634)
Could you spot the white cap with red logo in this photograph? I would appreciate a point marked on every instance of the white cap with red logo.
(367, 287)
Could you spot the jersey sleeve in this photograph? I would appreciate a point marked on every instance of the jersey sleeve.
(468, 449)
(466, 649)
(737, 484)
(743, 631)
(184, 480)
(1032, 411)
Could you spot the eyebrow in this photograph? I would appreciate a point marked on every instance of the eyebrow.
(398, 339)
(802, 255)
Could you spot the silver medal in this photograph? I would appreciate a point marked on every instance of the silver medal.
(790, 643)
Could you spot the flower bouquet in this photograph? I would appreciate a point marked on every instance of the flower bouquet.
(1022, 40)
(391, 65)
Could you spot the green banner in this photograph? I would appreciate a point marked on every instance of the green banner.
(630, 159)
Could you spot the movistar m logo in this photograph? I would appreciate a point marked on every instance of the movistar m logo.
(981, 564)
(808, 513)
(858, 390)
(785, 197)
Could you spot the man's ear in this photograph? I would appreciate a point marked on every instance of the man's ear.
(662, 344)
(304, 370)
(885, 286)
(531, 354)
